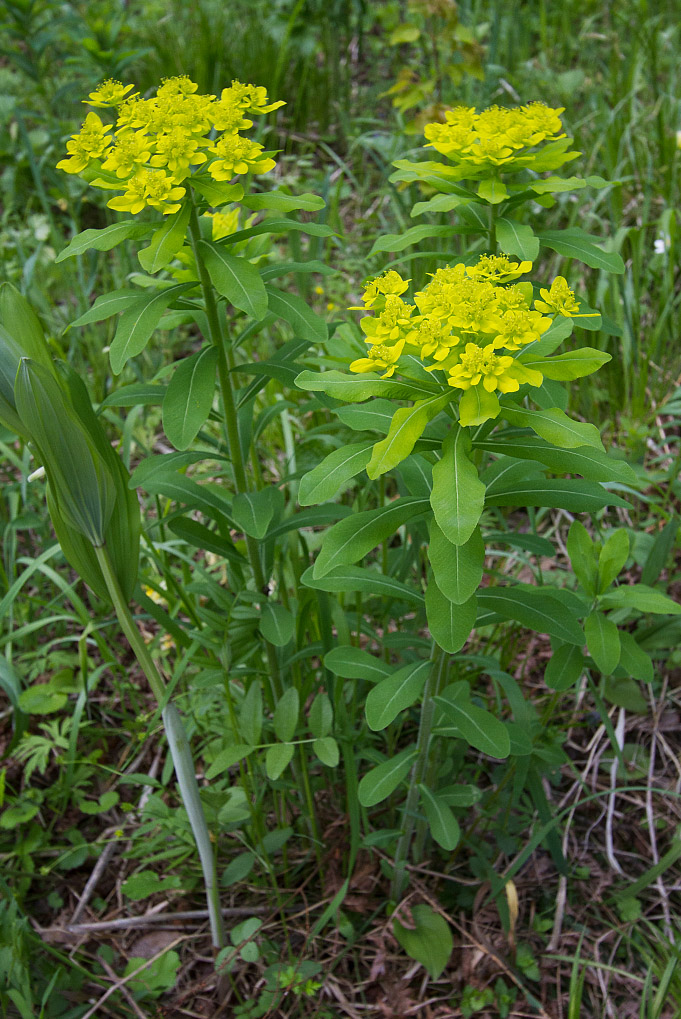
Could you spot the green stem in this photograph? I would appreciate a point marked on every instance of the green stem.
(432, 687)
(217, 338)
(178, 743)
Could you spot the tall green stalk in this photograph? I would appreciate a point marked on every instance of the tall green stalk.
(419, 770)
(178, 743)
(217, 338)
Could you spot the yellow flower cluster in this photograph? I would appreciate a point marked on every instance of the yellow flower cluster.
(467, 322)
(496, 137)
(157, 143)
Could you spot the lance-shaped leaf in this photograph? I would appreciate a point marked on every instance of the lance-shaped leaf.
(458, 495)
(350, 539)
(492, 191)
(582, 552)
(639, 597)
(326, 478)
(406, 428)
(480, 728)
(189, 397)
(427, 938)
(138, 322)
(283, 203)
(381, 781)
(298, 314)
(81, 482)
(603, 641)
(367, 582)
(21, 335)
(253, 512)
(612, 558)
(591, 463)
(517, 239)
(106, 239)
(449, 624)
(215, 192)
(354, 389)
(575, 243)
(395, 693)
(353, 663)
(167, 240)
(554, 426)
(108, 305)
(443, 826)
(235, 278)
(277, 624)
(571, 494)
(457, 568)
(565, 667)
(536, 609)
(415, 234)
(573, 364)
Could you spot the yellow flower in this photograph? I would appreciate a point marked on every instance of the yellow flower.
(390, 283)
(223, 223)
(481, 364)
(379, 356)
(86, 146)
(560, 300)
(237, 155)
(519, 328)
(109, 93)
(153, 188)
(178, 150)
(498, 268)
(389, 324)
(132, 149)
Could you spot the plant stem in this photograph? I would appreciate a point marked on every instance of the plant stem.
(178, 743)
(432, 687)
(216, 337)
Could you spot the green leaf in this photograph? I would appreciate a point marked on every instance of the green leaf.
(152, 980)
(281, 202)
(624, 692)
(612, 558)
(107, 306)
(235, 278)
(216, 193)
(146, 883)
(326, 478)
(603, 642)
(457, 568)
(458, 494)
(393, 694)
(536, 608)
(354, 663)
(285, 717)
(300, 317)
(639, 597)
(449, 624)
(554, 185)
(382, 780)
(492, 191)
(575, 243)
(271, 225)
(659, 551)
(238, 870)
(374, 416)
(443, 826)
(358, 578)
(427, 939)
(565, 667)
(253, 512)
(593, 464)
(406, 428)
(554, 426)
(480, 728)
(138, 322)
(106, 239)
(227, 758)
(573, 364)
(572, 494)
(582, 552)
(167, 241)
(250, 716)
(320, 717)
(354, 389)
(350, 539)
(276, 624)
(189, 397)
(139, 394)
(41, 699)
(477, 406)
(326, 750)
(439, 203)
(517, 239)
(277, 759)
(634, 660)
(415, 234)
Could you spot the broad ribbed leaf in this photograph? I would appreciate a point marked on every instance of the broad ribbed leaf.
(457, 568)
(575, 243)
(382, 780)
(573, 364)
(353, 663)
(350, 539)
(536, 609)
(406, 428)
(167, 240)
(326, 478)
(592, 464)
(395, 693)
(281, 202)
(443, 826)
(138, 322)
(355, 389)
(517, 239)
(603, 641)
(565, 667)
(367, 582)
(612, 558)
(189, 397)
(480, 728)
(253, 511)
(554, 426)
(572, 494)
(276, 625)
(449, 624)
(458, 495)
(108, 305)
(235, 278)
(105, 239)
(427, 939)
(298, 314)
